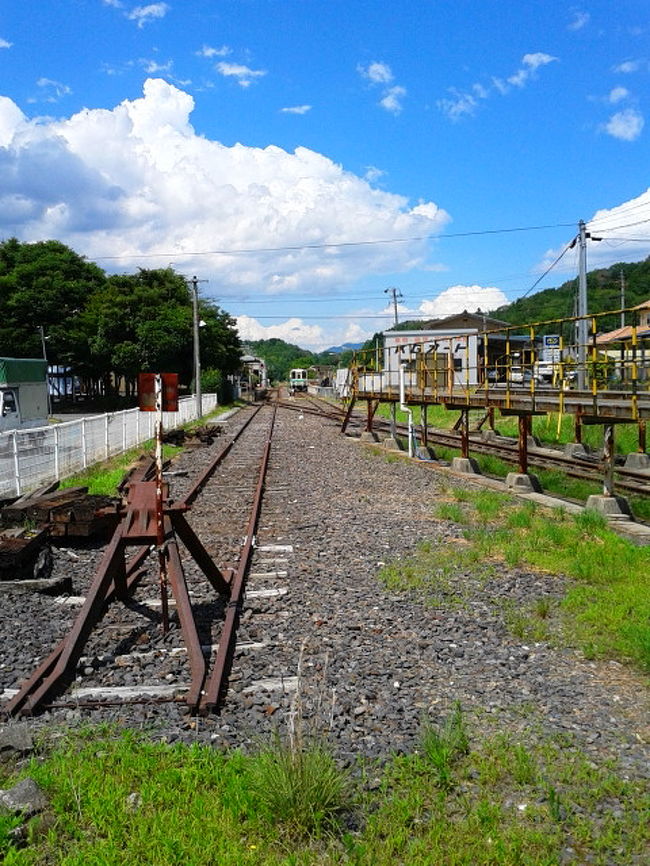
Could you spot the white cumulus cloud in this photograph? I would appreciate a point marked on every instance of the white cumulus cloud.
(377, 73)
(455, 299)
(244, 75)
(294, 331)
(625, 125)
(143, 14)
(5, 44)
(617, 94)
(628, 66)
(138, 182)
(381, 74)
(461, 103)
(209, 51)
(623, 232)
(296, 109)
(392, 99)
(580, 19)
(53, 90)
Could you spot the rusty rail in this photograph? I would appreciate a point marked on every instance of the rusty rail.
(216, 684)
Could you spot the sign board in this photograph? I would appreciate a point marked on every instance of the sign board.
(552, 348)
(147, 392)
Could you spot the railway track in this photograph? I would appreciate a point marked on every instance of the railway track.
(205, 599)
(587, 468)
(318, 634)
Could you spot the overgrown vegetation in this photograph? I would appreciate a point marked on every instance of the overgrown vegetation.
(103, 478)
(117, 798)
(605, 609)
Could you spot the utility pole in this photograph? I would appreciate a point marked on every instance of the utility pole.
(396, 294)
(582, 306)
(194, 283)
(622, 298)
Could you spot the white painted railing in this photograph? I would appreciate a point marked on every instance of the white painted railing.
(34, 457)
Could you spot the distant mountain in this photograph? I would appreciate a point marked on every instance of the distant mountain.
(344, 347)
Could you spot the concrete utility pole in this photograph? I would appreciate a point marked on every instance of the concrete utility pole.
(396, 294)
(194, 283)
(582, 307)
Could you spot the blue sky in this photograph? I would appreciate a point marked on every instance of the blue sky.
(303, 156)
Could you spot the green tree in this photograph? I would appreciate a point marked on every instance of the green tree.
(43, 285)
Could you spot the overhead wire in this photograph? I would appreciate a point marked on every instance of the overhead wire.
(337, 245)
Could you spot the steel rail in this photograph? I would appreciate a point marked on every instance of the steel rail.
(207, 473)
(216, 685)
(629, 480)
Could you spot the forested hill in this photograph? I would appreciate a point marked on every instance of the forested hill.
(603, 294)
(281, 357)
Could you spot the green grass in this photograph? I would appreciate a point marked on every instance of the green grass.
(118, 799)
(606, 608)
(544, 427)
(552, 481)
(103, 478)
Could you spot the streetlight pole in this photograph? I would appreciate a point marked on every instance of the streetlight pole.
(194, 282)
(47, 378)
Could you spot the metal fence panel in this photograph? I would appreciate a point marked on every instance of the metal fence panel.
(31, 458)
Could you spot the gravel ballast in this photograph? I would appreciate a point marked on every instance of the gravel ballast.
(321, 642)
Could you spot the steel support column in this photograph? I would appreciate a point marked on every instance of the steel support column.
(524, 432)
(608, 460)
(464, 433)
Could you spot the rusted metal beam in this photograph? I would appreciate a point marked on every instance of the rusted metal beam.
(524, 432)
(464, 433)
(348, 414)
(608, 460)
(199, 553)
(179, 590)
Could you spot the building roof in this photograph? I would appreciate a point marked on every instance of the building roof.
(621, 335)
(478, 320)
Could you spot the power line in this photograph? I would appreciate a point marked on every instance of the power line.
(549, 269)
(327, 246)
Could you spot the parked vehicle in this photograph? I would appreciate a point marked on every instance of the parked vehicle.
(23, 393)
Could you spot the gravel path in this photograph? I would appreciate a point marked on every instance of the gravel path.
(320, 633)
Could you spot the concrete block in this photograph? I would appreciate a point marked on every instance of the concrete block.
(575, 449)
(369, 436)
(468, 465)
(523, 483)
(425, 453)
(609, 506)
(533, 442)
(391, 444)
(638, 460)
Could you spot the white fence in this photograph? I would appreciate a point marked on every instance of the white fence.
(34, 457)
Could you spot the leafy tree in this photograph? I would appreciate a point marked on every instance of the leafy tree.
(43, 285)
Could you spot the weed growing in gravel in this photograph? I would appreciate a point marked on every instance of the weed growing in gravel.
(444, 744)
(302, 789)
(606, 608)
(450, 511)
